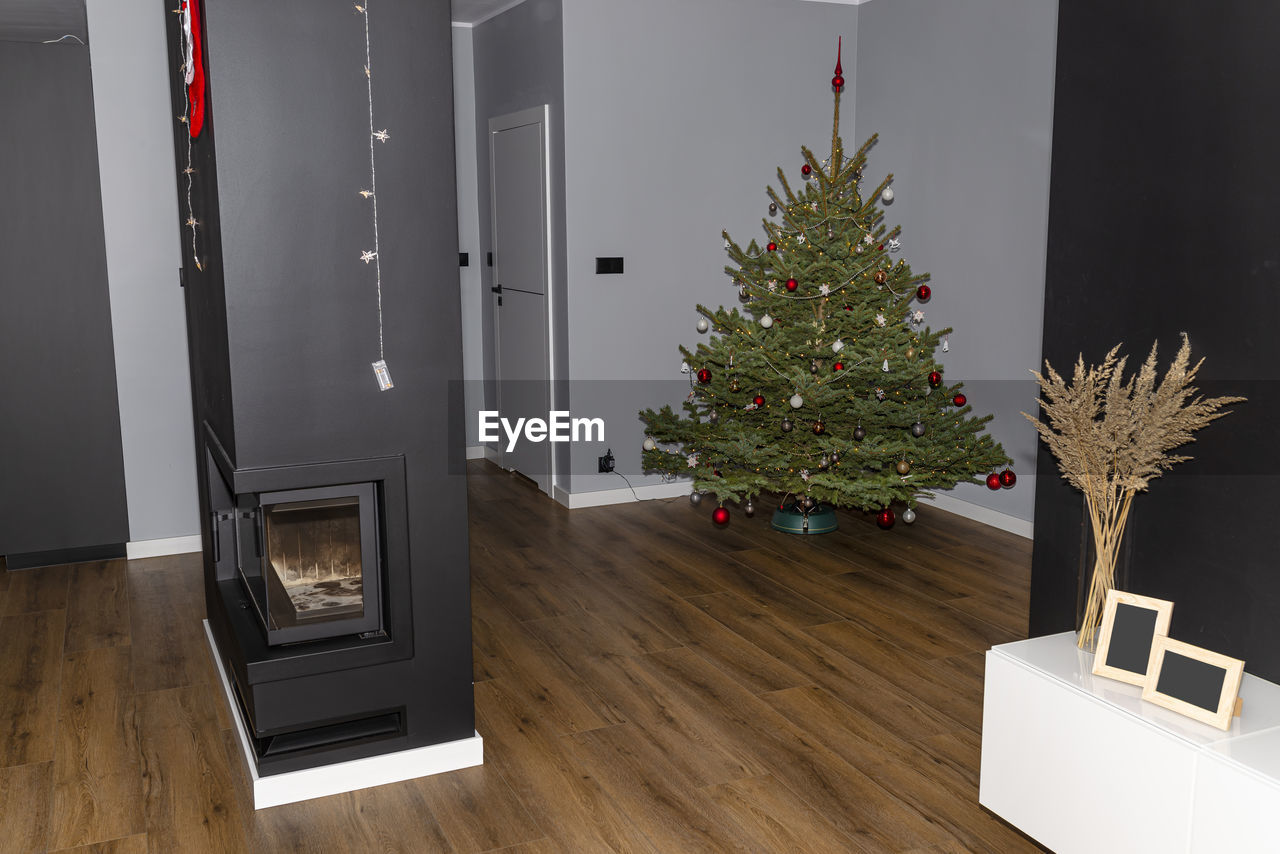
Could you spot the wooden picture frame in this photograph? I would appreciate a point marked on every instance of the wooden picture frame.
(1130, 625)
(1192, 681)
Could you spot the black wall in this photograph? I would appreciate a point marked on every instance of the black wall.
(61, 463)
(1165, 217)
(283, 325)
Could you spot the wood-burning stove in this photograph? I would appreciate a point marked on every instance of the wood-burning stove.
(340, 618)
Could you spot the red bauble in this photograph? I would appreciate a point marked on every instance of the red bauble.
(1008, 478)
(880, 248)
(839, 366)
(805, 170)
(923, 293)
(885, 518)
(704, 376)
(792, 284)
(959, 400)
(758, 400)
(935, 379)
(993, 481)
(837, 82)
(720, 516)
(772, 247)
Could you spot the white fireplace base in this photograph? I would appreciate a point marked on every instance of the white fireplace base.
(292, 786)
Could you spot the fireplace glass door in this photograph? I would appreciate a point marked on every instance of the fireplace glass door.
(315, 570)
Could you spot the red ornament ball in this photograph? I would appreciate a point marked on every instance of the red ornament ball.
(1008, 478)
(805, 170)
(885, 518)
(959, 400)
(837, 82)
(880, 248)
(935, 379)
(923, 293)
(720, 516)
(792, 284)
(704, 376)
(993, 481)
(758, 400)
(839, 366)
(772, 247)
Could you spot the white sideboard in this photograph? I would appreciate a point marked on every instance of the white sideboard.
(1080, 763)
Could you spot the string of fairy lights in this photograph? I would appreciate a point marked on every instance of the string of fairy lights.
(186, 45)
(374, 255)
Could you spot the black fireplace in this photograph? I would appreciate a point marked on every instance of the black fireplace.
(335, 544)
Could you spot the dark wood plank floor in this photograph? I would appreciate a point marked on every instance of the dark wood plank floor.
(645, 682)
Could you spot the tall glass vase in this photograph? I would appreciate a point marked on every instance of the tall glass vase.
(1106, 545)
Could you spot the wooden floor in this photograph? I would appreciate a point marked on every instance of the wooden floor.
(645, 682)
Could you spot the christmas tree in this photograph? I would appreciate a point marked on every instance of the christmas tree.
(826, 390)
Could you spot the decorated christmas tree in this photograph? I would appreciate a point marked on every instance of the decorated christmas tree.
(824, 388)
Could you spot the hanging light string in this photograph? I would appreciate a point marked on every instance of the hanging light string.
(187, 54)
(374, 255)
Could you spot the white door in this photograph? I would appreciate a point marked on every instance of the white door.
(521, 275)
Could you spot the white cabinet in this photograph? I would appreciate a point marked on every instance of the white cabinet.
(1079, 763)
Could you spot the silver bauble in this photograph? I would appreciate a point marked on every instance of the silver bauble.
(908, 515)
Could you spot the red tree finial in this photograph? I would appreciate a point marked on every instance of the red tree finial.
(838, 80)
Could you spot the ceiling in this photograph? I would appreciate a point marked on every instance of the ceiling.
(42, 20)
(468, 13)
(472, 12)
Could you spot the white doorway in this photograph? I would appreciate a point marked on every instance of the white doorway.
(519, 201)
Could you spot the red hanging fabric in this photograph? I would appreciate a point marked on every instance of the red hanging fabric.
(195, 73)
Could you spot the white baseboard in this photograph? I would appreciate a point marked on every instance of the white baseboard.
(576, 500)
(985, 515)
(162, 547)
(293, 786)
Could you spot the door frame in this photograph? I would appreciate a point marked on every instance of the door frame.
(533, 115)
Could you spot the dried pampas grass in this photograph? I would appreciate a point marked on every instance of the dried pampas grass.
(1113, 436)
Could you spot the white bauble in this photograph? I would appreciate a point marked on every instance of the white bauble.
(649, 444)
(908, 515)
(703, 326)
(837, 346)
(887, 195)
(797, 401)
(766, 321)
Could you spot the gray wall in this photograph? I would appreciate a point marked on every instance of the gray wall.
(678, 115)
(61, 472)
(962, 97)
(519, 63)
(140, 219)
